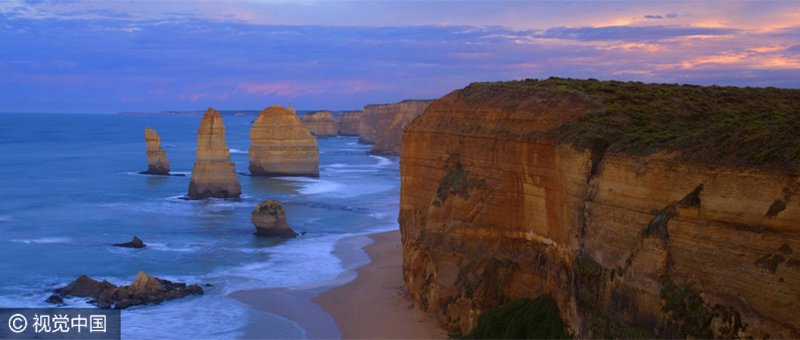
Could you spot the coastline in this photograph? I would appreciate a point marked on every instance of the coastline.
(367, 300)
(376, 305)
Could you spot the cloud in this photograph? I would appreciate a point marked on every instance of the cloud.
(632, 33)
(660, 17)
(116, 59)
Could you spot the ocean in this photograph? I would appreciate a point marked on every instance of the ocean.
(71, 187)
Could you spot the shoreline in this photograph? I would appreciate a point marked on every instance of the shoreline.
(376, 304)
(367, 300)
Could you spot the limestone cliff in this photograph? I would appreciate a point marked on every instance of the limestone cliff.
(615, 198)
(320, 123)
(157, 163)
(383, 124)
(348, 123)
(213, 174)
(281, 146)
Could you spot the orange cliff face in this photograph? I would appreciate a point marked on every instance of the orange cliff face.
(320, 124)
(348, 123)
(157, 163)
(281, 146)
(383, 124)
(213, 174)
(495, 206)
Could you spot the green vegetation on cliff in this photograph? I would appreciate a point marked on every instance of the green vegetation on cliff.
(522, 319)
(735, 126)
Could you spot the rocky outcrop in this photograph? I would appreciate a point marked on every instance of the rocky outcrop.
(136, 242)
(320, 123)
(144, 290)
(157, 163)
(348, 123)
(281, 146)
(213, 174)
(269, 219)
(383, 124)
(612, 198)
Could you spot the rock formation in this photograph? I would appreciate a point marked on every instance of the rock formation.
(270, 220)
(383, 124)
(644, 210)
(157, 163)
(320, 123)
(281, 146)
(213, 174)
(144, 290)
(136, 242)
(348, 123)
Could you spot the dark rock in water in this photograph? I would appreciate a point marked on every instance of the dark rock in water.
(270, 220)
(135, 243)
(55, 298)
(144, 290)
(85, 286)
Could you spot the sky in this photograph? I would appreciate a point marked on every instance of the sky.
(112, 56)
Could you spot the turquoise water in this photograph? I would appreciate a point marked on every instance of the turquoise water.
(70, 187)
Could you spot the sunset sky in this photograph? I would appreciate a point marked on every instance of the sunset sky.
(112, 56)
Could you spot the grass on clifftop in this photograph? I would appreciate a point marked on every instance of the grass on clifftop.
(522, 319)
(735, 126)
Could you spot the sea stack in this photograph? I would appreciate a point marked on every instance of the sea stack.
(269, 219)
(348, 123)
(157, 163)
(213, 174)
(320, 123)
(281, 146)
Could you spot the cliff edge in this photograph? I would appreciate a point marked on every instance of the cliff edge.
(320, 123)
(645, 210)
(383, 124)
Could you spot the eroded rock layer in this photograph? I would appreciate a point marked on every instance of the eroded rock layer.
(383, 124)
(496, 207)
(281, 146)
(213, 174)
(348, 123)
(157, 163)
(320, 123)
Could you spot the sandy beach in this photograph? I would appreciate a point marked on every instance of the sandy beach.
(373, 305)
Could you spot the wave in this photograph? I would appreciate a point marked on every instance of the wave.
(5, 218)
(237, 151)
(44, 240)
(384, 162)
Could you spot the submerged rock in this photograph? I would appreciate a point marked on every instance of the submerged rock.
(320, 123)
(281, 146)
(157, 163)
(144, 290)
(134, 243)
(270, 220)
(55, 298)
(213, 174)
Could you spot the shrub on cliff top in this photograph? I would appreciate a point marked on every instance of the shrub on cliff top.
(522, 319)
(735, 126)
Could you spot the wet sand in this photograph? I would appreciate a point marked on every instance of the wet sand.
(373, 305)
